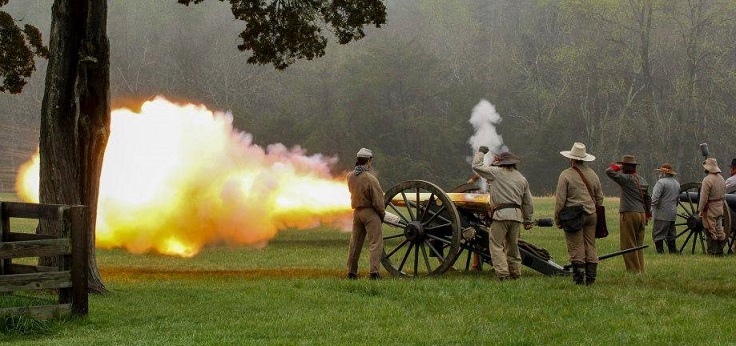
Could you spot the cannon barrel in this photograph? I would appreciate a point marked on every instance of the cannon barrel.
(694, 197)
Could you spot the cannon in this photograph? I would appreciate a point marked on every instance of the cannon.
(428, 230)
(689, 226)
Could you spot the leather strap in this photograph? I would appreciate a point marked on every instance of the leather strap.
(643, 204)
(587, 185)
(500, 206)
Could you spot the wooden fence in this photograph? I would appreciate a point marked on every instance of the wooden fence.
(69, 278)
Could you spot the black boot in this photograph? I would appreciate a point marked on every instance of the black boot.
(590, 273)
(672, 247)
(578, 273)
(659, 244)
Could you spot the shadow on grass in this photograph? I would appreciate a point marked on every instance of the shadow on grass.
(284, 273)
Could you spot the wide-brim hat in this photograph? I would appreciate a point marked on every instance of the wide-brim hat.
(628, 160)
(577, 153)
(733, 163)
(666, 168)
(506, 159)
(711, 165)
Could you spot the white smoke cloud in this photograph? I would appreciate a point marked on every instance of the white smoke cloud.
(484, 119)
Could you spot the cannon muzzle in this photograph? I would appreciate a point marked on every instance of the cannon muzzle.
(545, 222)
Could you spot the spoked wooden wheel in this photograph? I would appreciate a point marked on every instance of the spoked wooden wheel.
(423, 237)
(687, 222)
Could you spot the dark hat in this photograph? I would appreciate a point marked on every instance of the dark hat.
(733, 163)
(506, 159)
(666, 169)
(628, 160)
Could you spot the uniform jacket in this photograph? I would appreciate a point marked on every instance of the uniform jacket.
(631, 196)
(712, 188)
(571, 191)
(665, 194)
(365, 192)
(506, 186)
(731, 184)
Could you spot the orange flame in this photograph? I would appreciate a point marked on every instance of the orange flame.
(178, 177)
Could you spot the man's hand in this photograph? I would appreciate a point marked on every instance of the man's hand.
(483, 149)
(528, 226)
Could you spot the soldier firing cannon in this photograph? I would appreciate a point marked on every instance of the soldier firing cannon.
(430, 229)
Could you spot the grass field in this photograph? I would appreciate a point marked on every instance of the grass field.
(292, 292)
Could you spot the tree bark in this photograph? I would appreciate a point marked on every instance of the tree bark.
(75, 113)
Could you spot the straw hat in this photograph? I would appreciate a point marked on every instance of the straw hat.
(365, 153)
(506, 159)
(711, 165)
(628, 160)
(666, 168)
(578, 153)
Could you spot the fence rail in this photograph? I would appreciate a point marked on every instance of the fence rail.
(69, 278)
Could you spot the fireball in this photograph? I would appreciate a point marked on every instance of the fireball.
(178, 177)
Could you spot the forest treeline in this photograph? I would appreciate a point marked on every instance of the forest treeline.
(652, 78)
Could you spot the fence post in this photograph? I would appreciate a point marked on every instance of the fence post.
(5, 228)
(80, 260)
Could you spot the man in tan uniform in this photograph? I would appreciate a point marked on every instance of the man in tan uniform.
(572, 191)
(711, 206)
(366, 199)
(511, 204)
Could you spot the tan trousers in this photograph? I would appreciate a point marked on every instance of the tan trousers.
(504, 247)
(365, 221)
(581, 245)
(631, 227)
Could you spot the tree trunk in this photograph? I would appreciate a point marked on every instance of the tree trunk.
(75, 114)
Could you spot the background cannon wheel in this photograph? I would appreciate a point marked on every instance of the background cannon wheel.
(689, 225)
(687, 222)
(425, 240)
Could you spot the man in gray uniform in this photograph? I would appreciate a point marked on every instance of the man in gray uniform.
(511, 204)
(632, 212)
(664, 209)
(731, 181)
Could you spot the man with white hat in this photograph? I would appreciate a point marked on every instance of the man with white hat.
(711, 206)
(511, 205)
(366, 199)
(633, 210)
(665, 196)
(572, 190)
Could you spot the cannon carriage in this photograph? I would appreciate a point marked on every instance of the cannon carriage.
(430, 229)
(689, 226)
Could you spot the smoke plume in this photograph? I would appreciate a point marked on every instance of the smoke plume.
(484, 120)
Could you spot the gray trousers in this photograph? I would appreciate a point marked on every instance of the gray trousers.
(663, 230)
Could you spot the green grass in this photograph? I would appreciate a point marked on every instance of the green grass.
(292, 292)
